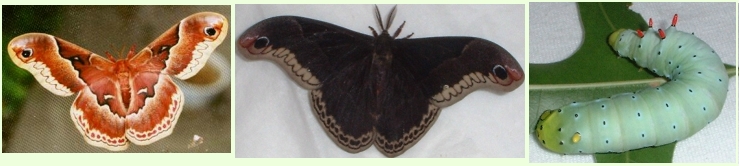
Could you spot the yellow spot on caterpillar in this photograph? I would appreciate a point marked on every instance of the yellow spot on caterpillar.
(576, 137)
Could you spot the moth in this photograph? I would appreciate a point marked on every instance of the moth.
(381, 90)
(128, 100)
(693, 97)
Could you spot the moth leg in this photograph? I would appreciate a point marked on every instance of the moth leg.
(375, 33)
(398, 31)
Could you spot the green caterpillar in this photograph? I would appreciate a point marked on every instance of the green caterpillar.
(650, 117)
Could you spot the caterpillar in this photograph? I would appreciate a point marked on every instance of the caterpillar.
(656, 116)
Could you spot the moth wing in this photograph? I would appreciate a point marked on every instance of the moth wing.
(55, 63)
(185, 48)
(65, 68)
(155, 109)
(449, 68)
(329, 60)
(101, 125)
(182, 51)
(309, 50)
(404, 113)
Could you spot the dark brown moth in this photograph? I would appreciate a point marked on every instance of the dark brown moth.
(383, 89)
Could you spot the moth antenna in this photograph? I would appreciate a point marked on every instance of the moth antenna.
(391, 16)
(675, 20)
(110, 57)
(377, 17)
(662, 33)
(640, 34)
(375, 34)
(131, 51)
(398, 31)
(120, 53)
(650, 23)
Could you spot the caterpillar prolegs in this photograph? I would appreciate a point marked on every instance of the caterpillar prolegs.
(650, 117)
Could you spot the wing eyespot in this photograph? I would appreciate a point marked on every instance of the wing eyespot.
(210, 31)
(500, 72)
(261, 42)
(27, 52)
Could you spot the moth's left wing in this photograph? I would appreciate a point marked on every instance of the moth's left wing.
(52, 61)
(64, 69)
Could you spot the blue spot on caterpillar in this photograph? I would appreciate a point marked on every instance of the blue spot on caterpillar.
(649, 117)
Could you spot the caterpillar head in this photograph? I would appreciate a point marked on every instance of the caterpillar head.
(614, 37)
(546, 131)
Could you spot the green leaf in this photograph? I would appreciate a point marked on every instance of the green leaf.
(590, 74)
(644, 155)
(599, 21)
